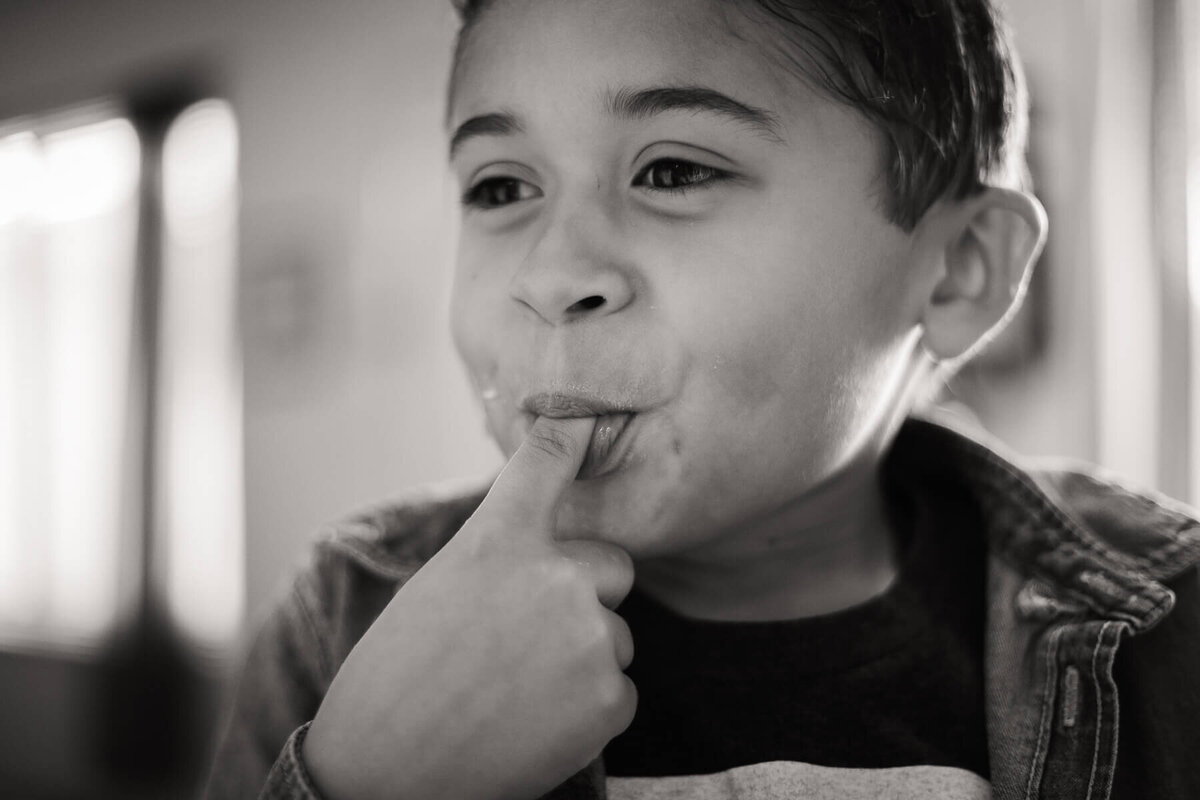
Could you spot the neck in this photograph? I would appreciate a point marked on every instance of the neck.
(831, 549)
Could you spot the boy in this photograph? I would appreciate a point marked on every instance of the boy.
(711, 255)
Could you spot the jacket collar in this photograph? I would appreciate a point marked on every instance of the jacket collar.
(1084, 541)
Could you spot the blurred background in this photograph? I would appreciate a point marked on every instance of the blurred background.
(225, 243)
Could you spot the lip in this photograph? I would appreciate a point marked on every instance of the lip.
(564, 405)
(609, 445)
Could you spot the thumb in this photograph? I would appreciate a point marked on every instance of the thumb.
(533, 480)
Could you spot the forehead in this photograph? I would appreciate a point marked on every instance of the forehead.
(538, 49)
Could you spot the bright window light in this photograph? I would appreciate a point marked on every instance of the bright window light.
(68, 227)
(88, 171)
(200, 454)
(1190, 67)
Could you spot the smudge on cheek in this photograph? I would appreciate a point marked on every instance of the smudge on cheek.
(753, 375)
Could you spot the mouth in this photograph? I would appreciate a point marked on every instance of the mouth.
(609, 447)
(611, 442)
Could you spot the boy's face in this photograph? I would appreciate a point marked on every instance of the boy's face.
(755, 310)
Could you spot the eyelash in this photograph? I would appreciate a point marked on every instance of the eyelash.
(476, 196)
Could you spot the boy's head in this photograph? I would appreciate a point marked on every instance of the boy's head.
(755, 224)
(938, 78)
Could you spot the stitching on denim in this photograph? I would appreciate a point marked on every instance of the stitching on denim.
(1045, 514)
(1155, 607)
(1096, 680)
(1051, 685)
(1110, 655)
(1158, 600)
(1045, 511)
(1186, 542)
(324, 658)
(1166, 510)
(1099, 713)
(1070, 700)
(297, 765)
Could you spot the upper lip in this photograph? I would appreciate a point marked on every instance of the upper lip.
(562, 405)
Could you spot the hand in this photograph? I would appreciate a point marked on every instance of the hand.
(497, 670)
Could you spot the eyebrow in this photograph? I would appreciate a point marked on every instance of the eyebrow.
(501, 123)
(638, 105)
(647, 103)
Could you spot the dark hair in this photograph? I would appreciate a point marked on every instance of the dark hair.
(939, 78)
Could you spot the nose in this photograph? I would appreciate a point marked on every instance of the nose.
(575, 271)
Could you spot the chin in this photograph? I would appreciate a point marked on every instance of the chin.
(630, 509)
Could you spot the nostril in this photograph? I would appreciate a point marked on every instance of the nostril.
(587, 304)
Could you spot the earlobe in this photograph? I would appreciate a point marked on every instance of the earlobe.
(985, 247)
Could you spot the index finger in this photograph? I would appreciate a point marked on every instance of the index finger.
(542, 468)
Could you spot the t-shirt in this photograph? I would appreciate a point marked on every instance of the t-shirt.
(882, 699)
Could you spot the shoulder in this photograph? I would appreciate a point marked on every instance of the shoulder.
(1044, 512)
(1156, 534)
(357, 565)
(391, 540)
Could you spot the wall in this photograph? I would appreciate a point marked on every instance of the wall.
(352, 392)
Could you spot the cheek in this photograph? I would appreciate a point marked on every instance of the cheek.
(476, 324)
(754, 323)
(478, 344)
(788, 347)
(467, 331)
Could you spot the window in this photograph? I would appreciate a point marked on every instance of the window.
(200, 458)
(93, 217)
(68, 231)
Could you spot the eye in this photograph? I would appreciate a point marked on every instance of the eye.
(497, 192)
(676, 175)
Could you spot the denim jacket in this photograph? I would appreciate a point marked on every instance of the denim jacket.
(1092, 639)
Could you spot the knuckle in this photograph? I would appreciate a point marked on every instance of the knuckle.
(618, 700)
(590, 639)
(565, 589)
(624, 641)
(617, 557)
(612, 693)
(629, 709)
(622, 558)
(625, 568)
(598, 635)
(560, 573)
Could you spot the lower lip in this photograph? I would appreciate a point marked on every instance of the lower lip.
(609, 447)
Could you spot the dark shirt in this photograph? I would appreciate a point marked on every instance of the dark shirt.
(896, 681)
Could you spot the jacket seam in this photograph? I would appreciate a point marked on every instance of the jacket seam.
(1184, 537)
(388, 571)
(1099, 679)
(324, 660)
(1155, 610)
(1046, 511)
(1186, 540)
(1046, 514)
(1099, 711)
(1050, 659)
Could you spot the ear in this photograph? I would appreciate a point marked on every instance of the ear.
(981, 252)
